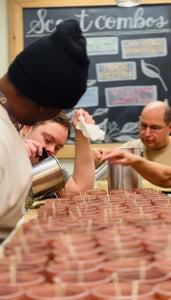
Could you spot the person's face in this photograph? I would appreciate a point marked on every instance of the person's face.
(29, 112)
(50, 135)
(153, 131)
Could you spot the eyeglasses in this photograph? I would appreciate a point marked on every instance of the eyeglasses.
(153, 128)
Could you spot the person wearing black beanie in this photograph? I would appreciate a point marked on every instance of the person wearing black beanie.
(53, 71)
(49, 75)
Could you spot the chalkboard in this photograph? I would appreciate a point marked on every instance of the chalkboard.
(130, 60)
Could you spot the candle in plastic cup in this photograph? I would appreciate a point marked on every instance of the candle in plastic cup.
(121, 265)
(110, 292)
(163, 265)
(11, 293)
(73, 267)
(57, 292)
(22, 267)
(31, 258)
(22, 280)
(163, 290)
(148, 275)
(83, 279)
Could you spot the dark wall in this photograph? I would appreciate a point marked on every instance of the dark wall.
(130, 60)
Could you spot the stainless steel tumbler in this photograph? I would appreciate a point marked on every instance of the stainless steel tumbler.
(47, 176)
(124, 177)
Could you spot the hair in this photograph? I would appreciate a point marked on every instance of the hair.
(60, 118)
(167, 115)
(167, 110)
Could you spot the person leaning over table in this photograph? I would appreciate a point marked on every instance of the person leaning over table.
(52, 135)
(154, 131)
(49, 75)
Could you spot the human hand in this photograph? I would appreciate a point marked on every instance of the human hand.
(97, 153)
(87, 117)
(34, 150)
(118, 156)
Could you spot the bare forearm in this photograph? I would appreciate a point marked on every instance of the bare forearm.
(155, 173)
(84, 169)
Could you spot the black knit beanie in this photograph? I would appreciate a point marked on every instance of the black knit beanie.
(53, 70)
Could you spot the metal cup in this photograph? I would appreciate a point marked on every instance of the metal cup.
(47, 176)
(124, 177)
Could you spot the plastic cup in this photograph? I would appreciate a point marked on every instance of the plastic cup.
(122, 291)
(11, 293)
(111, 244)
(73, 267)
(23, 268)
(163, 290)
(22, 280)
(83, 279)
(57, 292)
(147, 275)
(31, 259)
(163, 265)
(90, 257)
(124, 253)
(121, 265)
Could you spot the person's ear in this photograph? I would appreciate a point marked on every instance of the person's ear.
(26, 129)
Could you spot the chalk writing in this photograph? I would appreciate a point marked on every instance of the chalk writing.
(102, 45)
(45, 24)
(116, 71)
(144, 48)
(130, 95)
